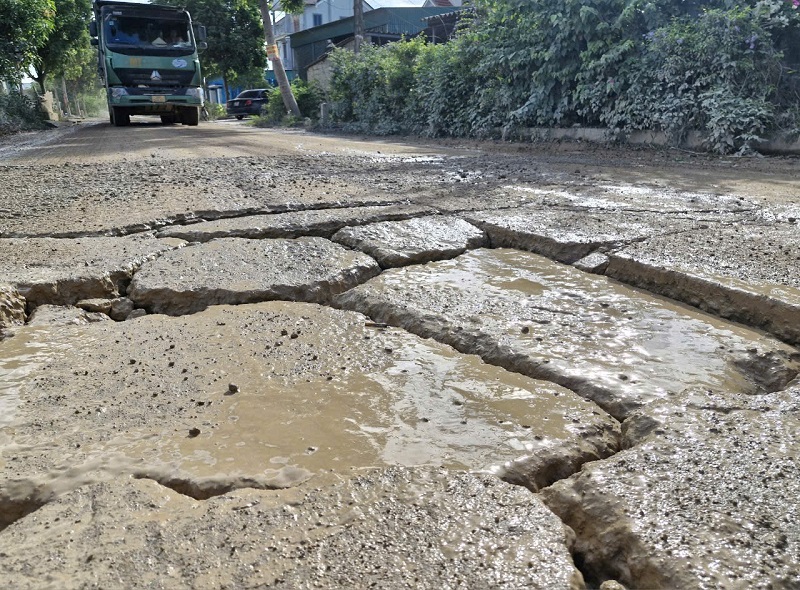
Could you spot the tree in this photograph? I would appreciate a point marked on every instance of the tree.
(64, 52)
(24, 28)
(235, 40)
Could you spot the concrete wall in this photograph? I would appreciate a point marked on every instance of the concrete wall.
(322, 73)
(694, 139)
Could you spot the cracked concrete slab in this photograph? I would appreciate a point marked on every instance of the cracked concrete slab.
(394, 528)
(747, 273)
(706, 499)
(72, 199)
(63, 271)
(237, 270)
(321, 223)
(617, 346)
(646, 197)
(268, 395)
(569, 235)
(414, 241)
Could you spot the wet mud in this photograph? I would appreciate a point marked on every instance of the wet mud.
(619, 347)
(295, 360)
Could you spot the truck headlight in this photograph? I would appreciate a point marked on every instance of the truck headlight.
(195, 92)
(117, 92)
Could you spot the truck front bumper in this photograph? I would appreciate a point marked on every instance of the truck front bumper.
(138, 101)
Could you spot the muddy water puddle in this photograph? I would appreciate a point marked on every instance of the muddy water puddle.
(22, 357)
(430, 406)
(617, 345)
(255, 390)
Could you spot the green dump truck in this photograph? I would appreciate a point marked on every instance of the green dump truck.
(147, 59)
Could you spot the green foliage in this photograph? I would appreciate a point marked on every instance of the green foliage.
(24, 28)
(94, 101)
(19, 112)
(727, 69)
(215, 111)
(235, 39)
(374, 88)
(719, 73)
(309, 96)
(448, 92)
(66, 52)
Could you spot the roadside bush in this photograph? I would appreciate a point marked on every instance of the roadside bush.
(373, 91)
(729, 71)
(719, 73)
(309, 96)
(447, 99)
(19, 112)
(215, 111)
(95, 103)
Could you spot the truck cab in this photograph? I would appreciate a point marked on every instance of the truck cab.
(147, 59)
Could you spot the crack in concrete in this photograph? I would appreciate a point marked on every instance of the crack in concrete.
(17, 506)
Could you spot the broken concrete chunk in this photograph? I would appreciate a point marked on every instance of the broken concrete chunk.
(235, 271)
(706, 499)
(121, 308)
(65, 271)
(394, 528)
(136, 313)
(617, 346)
(414, 241)
(735, 271)
(60, 315)
(317, 390)
(95, 305)
(594, 262)
(12, 307)
(659, 198)
(293, 224)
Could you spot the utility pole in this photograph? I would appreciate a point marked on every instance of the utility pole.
(358, 25)
(274, 56)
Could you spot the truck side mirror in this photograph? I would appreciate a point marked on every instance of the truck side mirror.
(202, 45)
(93, 29)
(201, 33)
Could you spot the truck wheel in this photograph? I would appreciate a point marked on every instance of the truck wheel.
(120, 117)
(190, 116)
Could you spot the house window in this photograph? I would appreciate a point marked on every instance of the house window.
(317, 19)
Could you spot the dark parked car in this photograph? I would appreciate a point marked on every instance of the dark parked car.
(248, 102)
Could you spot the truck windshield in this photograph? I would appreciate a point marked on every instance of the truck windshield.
(152, 32)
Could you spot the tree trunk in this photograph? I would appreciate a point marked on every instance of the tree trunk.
(280, 74)
(358, 25)
(65, 97)
(39, 78)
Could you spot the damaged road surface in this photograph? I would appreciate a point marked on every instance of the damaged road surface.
(249, 358)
